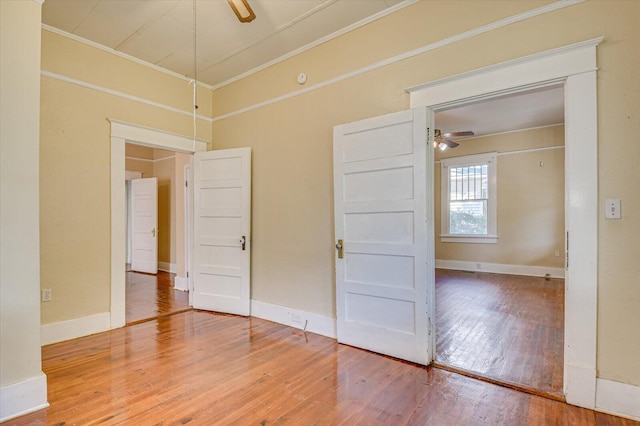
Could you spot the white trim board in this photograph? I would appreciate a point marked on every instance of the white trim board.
(406, 55)
(119, 94)
(314, 323)
(122, 133)
(167, 267)
(120, 54)
(500, 268)
(619, 399)
(318, 42)
(575, 67)
(23, 398)
(77, 327)
(149, 160)
(181, 283)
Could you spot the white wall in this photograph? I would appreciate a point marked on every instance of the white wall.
(23, 387)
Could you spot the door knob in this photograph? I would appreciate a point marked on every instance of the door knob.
(340, 249)
(153, 232)
(243, 242)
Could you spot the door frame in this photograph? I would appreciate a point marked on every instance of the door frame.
(121, 133)
(575, 67)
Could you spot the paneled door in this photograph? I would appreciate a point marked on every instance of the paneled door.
(384, 234)
(222, 237)
(144, 225)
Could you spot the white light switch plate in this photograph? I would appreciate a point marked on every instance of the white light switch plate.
(612, 208)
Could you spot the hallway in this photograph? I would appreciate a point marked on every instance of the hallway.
(152, 296)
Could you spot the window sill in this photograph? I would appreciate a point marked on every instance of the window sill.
(474, 239)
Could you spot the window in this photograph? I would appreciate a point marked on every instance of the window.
(469, 199)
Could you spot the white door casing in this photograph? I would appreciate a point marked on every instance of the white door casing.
(221, 238)
(144, 225)
(384, 219)
(574, 66)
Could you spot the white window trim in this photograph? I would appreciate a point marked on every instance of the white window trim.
(491, 237)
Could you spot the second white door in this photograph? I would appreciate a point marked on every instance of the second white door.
(384, 234)
(221, 237)
(144, 225)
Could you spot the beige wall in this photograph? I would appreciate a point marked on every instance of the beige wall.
(530, 200)
(20, 356)
(164, 170)
(75, 167)
(292, 254)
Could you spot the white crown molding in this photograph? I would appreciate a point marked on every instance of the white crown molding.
(120, 94)
(121, 54)
(318, 42)
(432, 46)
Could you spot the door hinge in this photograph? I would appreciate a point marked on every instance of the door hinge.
(186, 183)
(566, 265)
(187, 274)
(428, 135)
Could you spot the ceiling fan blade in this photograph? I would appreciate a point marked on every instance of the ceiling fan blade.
(458, 134)
(449, 143)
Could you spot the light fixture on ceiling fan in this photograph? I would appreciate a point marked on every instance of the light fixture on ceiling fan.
(242, 10)
(442, 142)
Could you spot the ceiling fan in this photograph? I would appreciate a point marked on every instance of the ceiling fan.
(242, 10)
(442, 141)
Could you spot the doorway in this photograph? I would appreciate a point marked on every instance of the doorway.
(575, 67)
(121, 134)
(500, 270)
(153, 293)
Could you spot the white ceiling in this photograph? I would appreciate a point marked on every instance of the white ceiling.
(526, 110)
(161, 31)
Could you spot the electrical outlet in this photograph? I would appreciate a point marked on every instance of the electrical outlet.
(46, 294)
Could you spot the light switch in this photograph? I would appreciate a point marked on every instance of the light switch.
(612, 208)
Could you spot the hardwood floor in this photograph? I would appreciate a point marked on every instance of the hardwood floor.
(150, 296)
(504, 327)
(201, 368)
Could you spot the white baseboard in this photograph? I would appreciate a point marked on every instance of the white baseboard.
(314, 323)
(617, 398)
(77, 327)
(580, 385)
(500, 268)
(23, 398)
(167, 267)
(181, 283)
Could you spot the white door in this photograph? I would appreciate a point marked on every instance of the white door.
(384, 234)
(144, 225)
(221, 237)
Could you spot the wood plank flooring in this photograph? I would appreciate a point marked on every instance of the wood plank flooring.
(150, 296)
(505, 327)
(200, 368)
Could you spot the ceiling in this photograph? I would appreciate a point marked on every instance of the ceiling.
(525, 110)
(161, 31)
